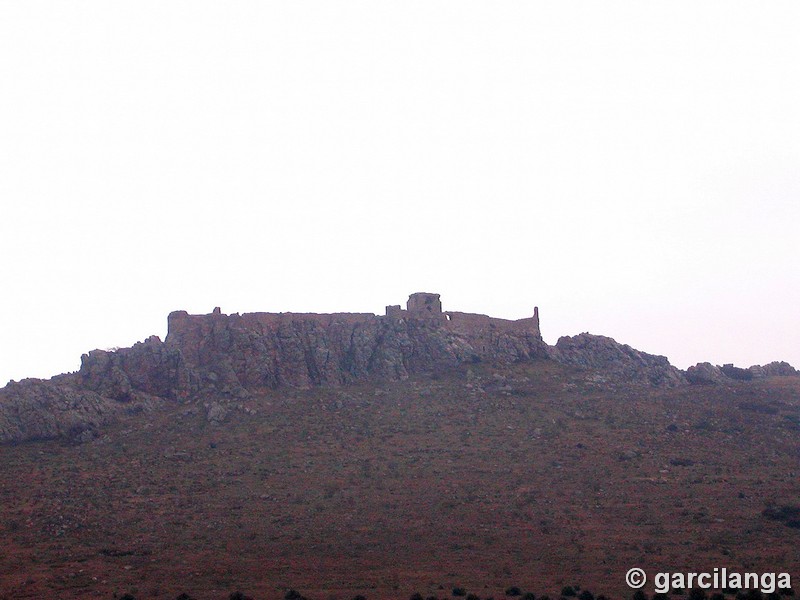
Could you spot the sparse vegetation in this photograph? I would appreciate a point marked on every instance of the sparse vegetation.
(787, 514)
(473, 473)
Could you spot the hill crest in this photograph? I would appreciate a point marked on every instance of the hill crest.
(219, 357)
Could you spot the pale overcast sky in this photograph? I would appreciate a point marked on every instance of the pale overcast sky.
(629, 167)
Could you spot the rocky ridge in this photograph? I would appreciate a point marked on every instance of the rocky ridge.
(705, 372)
(217, 357)
(615, 359)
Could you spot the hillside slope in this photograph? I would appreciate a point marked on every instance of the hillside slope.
(484, 476)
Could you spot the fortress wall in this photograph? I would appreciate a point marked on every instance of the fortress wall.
(302, 349)
(470, 323)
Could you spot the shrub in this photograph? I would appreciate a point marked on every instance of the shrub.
(697, 594)
(788, 514)
(586, 595)
(529, 596)
(416, 596)
(292, 595)
(459, 591)
(513, 591)
(639, 595)
(568, 591)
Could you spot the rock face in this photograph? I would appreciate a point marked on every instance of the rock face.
(619, 360)
(231, 354)
(148, 369)
(36, 409)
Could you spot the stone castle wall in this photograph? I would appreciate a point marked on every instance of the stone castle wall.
(236, 352)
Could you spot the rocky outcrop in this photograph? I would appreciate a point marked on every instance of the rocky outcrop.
(615, 359)
(35, 409)
(148, 369)
(108, 384)
(778, 369)
(231, 354)
(704, 373)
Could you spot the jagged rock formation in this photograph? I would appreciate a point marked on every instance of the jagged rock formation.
(775, 368)
(218, 357)
(146, 370)
(107, 384)
(704, 372)
(37, 409)
(707, 373)
(619, 360)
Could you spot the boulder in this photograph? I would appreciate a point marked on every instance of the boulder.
(704, 372)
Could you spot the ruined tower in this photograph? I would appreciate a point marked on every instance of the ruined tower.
(424, 303)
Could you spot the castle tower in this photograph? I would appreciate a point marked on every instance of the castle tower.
(425, 304)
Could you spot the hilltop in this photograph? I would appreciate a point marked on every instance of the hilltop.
(223, 359)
